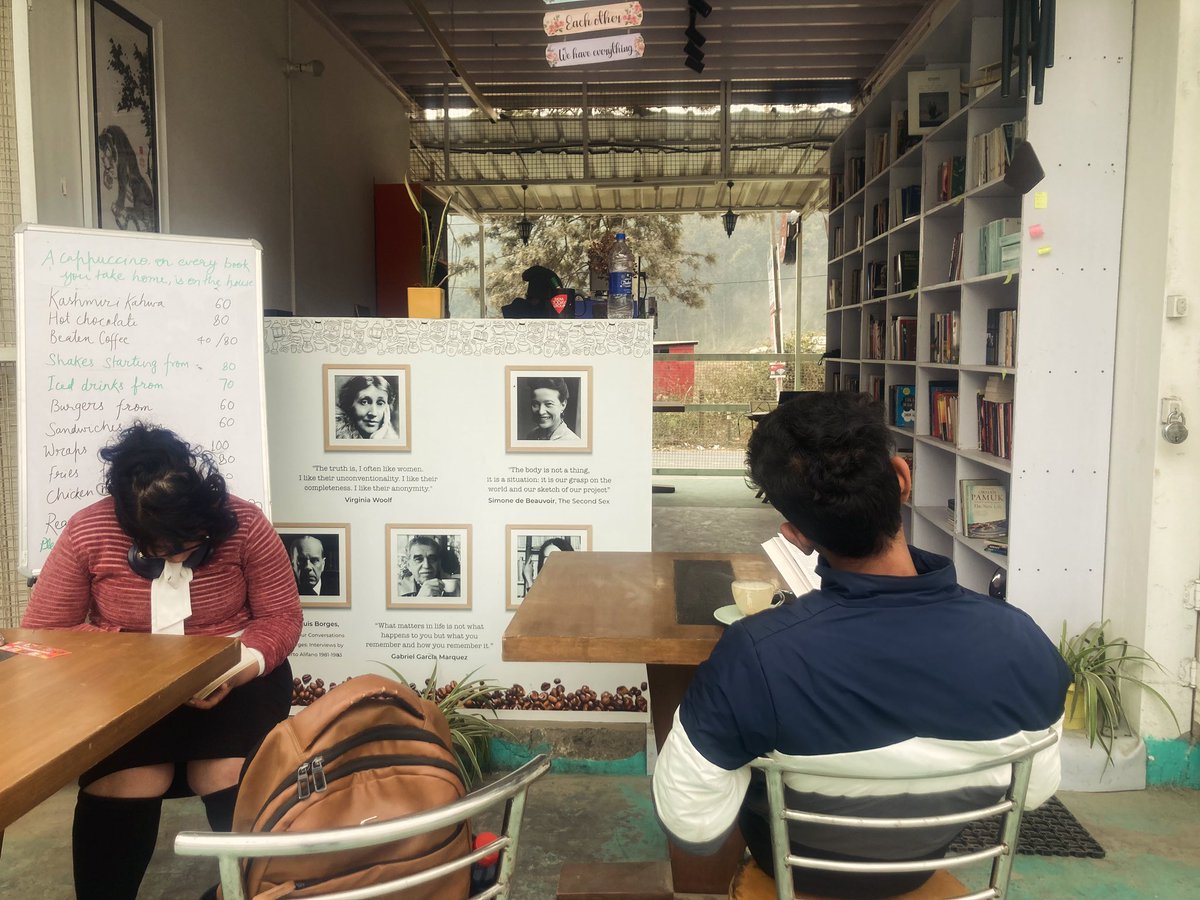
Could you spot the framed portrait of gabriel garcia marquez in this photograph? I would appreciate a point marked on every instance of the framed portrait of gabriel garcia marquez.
(367, 407)
(549, 409)
(429, 566)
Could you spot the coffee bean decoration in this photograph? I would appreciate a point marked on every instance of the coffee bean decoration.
(306, 689)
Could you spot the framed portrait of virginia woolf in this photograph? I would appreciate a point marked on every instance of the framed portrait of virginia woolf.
(428, 566)
(320, 556)
(367, 407)
(548, 409)
(528, 548)
(123, 98)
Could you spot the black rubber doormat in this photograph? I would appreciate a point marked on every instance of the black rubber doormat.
(1049, 830)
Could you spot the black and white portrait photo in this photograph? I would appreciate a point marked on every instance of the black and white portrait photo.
(320, 556)
(367, 408)
(123, 97)
(529, 546)
(549, 409)
(429, 566)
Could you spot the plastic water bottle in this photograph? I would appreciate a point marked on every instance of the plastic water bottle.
(620, 281)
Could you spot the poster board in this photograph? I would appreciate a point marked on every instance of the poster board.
(471, 484)
(114, 327)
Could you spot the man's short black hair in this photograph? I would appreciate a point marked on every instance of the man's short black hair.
(825, 462)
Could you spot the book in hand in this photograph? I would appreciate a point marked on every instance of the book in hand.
(241, 665)
(798, 570)
(984, 505)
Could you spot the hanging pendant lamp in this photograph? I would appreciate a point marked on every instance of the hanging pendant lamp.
(729, 217)
(524, 227)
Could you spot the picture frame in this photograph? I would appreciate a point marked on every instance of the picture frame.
(934, 96)
(122, 100)
(320, 557)
(563, 425)
(367, 408)
(422, 553)
(526, 549)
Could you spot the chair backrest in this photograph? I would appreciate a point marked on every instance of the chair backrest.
(231, 848)
(1001, 853)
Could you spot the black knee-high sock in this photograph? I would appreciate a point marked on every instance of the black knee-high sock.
(111, 844)
(218, 806)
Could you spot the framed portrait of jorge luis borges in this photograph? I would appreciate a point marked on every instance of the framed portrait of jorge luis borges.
(123, 96)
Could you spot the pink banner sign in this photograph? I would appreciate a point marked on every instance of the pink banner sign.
(592, 18)
(595, 50)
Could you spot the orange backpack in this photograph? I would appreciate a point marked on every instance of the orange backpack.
(368, 750)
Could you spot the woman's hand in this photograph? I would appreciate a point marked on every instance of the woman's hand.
(246, 675)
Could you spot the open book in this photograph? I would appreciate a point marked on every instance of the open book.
(797, 569)
(245, 662)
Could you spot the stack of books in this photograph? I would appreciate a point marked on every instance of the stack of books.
(904, 337)
(906, 203)
(943, 337)
(951, 178)
(995, 411)
(996, 254)
(943, 410)
(1001, 349)
(993, 151)
(875, 387)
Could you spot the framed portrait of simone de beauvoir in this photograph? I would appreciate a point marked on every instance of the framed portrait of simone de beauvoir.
(123, 97)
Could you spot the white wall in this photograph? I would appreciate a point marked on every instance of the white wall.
(224, 134)
(1154, 487)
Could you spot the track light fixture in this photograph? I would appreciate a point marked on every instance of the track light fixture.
(695, 40)
(694, 64)
(524, 227)
(691, 33)
(729, 217)
(700, 6)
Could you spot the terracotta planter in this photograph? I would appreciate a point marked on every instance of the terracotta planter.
(1076, 721)
(426, 303)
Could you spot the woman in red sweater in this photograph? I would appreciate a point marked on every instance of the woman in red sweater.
(170, 551)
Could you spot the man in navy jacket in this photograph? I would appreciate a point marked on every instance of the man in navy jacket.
(889, 667)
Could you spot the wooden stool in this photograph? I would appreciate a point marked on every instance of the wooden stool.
(616, 881)
(752, 883)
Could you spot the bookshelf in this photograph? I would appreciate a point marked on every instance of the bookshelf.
(1031, 318)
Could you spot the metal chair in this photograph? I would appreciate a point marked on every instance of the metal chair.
(231, 848)
(1001, 853)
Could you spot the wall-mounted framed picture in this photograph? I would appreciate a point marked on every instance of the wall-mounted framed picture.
(320, 555)
(123, 96)
(528, 548)
(549, 409)
(933, 97)
(367, 407)
(428, 566)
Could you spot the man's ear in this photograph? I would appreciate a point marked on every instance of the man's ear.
(904, 476)
(794, 536)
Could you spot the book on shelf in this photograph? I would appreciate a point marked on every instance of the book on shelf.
(838, 241)
(993, 151)
(855, 170)
(858, 231)
(879, 218)
(951, 178)
(904, 405)
(877, 279)
(943, 410)
(983, 506)
(990, 237)
(875, 338)
(904, 337)
(951, 519)
(943, 337)
(905, 204)
(994, 412)
(956, 247)
(837, 189)
(835, 293)
(934, 95)
(902, 139)
(855, 286)
(877, 151)
(1001, 347)
(875, 387)
(905, 266)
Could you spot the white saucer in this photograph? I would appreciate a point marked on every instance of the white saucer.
(727, 615)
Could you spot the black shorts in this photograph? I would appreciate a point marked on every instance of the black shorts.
(233, 728)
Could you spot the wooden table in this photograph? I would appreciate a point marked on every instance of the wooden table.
(61, 716)
(620, 607)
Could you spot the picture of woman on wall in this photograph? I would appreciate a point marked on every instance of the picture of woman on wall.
(366, 408)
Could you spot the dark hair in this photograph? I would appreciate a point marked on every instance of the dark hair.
(554, 384)
(448, 561)
(164, 492)
(561, 543)
(294, 545)
(349, 391)
(825, 462)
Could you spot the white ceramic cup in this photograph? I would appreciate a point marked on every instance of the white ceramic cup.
(753, 596)
(449, 586)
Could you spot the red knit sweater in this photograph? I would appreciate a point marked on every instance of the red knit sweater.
(86, 584)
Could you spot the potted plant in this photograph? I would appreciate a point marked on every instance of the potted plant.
(1102, 665)
(427, 300)
(470, 731)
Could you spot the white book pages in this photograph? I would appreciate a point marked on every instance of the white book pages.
(797, 569)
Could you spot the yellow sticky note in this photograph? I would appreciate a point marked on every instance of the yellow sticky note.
(1008, 278)
(1043, 251)
(1040, 200)
(957, 200)
(913, 294)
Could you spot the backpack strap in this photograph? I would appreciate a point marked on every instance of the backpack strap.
(313, 720)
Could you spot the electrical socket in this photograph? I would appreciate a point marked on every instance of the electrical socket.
(1177, 306)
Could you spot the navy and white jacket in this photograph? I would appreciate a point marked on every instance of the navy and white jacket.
(898, 675)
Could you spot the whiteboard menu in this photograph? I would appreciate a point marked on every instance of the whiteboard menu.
(114, 328)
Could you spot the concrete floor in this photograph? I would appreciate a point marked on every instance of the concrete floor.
(1151, 837)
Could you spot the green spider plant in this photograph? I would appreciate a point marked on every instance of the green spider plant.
(470, 730)
(1101, 666)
